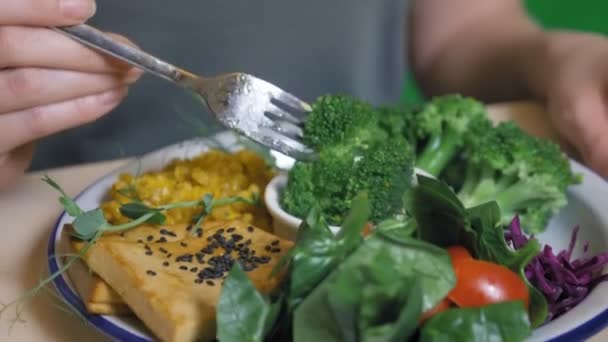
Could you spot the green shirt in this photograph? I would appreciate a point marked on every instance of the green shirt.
(308, 48)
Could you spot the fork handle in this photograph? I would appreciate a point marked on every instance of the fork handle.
(93, 37)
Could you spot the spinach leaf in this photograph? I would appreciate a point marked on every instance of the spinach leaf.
(439, 214)
(397, 226)
(492, 246)
(317, 251)
(136, 210)
(244, 314)
(507, 321)
(378, 293)
(406, 320)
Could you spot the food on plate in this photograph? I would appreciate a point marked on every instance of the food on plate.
(480, 282)
(174, 287)
(355, 154)
(219, 173)
(214, 172)
(188, 250)
(361, 147)
(564, 282)
(97, 295)
(454, 276)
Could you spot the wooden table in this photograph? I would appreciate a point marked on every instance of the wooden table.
(30, 208)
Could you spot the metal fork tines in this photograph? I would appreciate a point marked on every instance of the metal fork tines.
(256, 108)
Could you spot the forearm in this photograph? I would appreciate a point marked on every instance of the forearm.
(487, 49)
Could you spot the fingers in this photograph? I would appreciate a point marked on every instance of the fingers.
(46, 12)
(21, 127)
(27, 88)
(34, 47)
(582, 118)
(14, 163)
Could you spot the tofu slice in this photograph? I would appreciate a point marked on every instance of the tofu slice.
(97, 295)
(174, 287)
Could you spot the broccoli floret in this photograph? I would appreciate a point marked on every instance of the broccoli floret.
(442, 128)
(525, 175)
(341, 119)
(301, 193)
(384, 172)
(397, 121)
(354, 154)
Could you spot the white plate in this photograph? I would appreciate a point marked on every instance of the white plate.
(587, 208)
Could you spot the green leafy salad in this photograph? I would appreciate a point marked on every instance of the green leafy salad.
(447, 258)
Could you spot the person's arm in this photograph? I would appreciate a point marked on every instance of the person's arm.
(492, 50)
(473, 47)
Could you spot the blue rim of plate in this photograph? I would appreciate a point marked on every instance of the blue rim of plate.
(580, 333)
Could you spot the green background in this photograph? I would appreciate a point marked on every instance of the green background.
(584, 15)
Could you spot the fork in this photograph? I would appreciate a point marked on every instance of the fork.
(254, 107)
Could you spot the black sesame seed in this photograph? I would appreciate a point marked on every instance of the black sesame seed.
(183, 244)
(189, 228)
(169, 255)
(167, 232)
(231, 229)
(162, 250)
(193, 269)
(250, 229)
(248, 242)
(264, 259)
(150, 273)
(198, 281)
(237, 237)
(140, 241)
(150, 238)
(148, 252)
(275, 242)
(147, 247)
(183, 268)
(210, 283)
(199, 232)
(184, 258)
(268, 248)
(161, 240)
(122, 234)
(220, 231)
(165, 263)
(276, 250)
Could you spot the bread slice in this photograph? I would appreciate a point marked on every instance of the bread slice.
(97, 295)
(174, 287)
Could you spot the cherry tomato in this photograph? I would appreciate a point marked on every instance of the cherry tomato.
(441, 306)
(458, 253)
(480, 283)
(367, 229)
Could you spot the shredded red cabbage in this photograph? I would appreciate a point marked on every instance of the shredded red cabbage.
(564, 282)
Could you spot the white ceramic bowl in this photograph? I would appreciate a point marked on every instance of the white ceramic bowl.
(284, 224)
